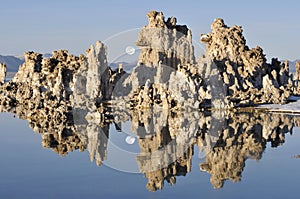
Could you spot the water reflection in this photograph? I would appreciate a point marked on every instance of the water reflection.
(167, 139)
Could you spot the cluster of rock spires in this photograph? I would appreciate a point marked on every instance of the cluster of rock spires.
(246, 76)
(167, 74)
(230, 75)
(72, 100)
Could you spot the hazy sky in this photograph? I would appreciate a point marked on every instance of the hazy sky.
(44, 26)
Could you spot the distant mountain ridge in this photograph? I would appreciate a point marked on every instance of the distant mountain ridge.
(292, 65)
(126, 66)
(12, 62)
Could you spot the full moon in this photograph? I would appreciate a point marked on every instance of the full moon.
(130, 50)
(130, 140)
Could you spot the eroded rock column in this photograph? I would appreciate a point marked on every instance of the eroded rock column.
(2, 73)
(246, 75)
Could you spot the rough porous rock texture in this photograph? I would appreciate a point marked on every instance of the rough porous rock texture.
(165, 41)
(166, 74)
(2, 73)
(247, 78)
(40, 92)
(229, 75)
(50, 91)
(297, 79)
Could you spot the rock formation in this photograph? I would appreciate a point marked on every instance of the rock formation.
(297, 80)
(247, 78)
(55, 94)
(165, 68)
(229, 75)
(165, 42)
(2, 73)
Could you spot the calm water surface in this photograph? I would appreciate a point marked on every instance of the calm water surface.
(28, 170)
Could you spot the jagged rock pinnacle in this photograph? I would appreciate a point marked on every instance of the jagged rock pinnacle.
(2, 73)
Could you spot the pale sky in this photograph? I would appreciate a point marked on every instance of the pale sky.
(44, 26)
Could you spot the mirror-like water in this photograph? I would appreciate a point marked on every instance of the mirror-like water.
(211, 155)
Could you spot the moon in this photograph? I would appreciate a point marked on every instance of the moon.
(130, 140)
(130, 50)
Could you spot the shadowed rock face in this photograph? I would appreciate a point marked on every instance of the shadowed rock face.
(65, 98)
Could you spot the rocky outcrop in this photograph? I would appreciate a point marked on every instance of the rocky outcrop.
(55, 94)
(165, 74)
(91, 81)
(247, 78)
(40, 92)
(297, 79)
(2, 73)
(230, 75)
(165, 42)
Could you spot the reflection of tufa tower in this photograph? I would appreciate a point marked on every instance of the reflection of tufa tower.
(120, 69)
(90, 88)
(165, 152)
(228, 162)
(243, 136)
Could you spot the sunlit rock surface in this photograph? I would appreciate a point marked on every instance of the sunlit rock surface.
(56, 95)
(166, 73)
(230, 75)
(165, 41)
(2, 73)
(297, 79)
(247, 78)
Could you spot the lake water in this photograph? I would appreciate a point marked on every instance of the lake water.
(241, 156)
